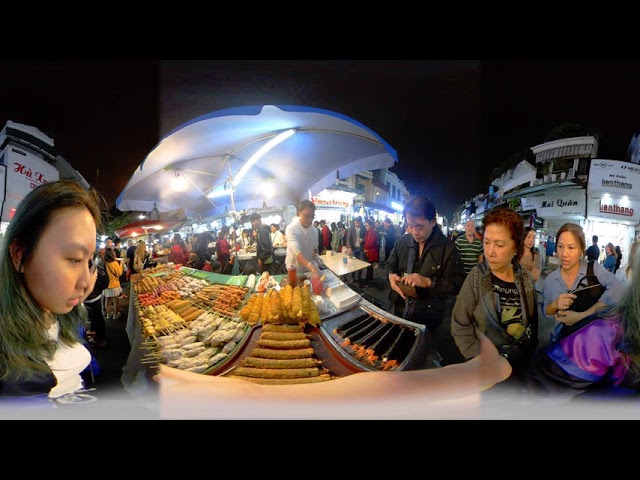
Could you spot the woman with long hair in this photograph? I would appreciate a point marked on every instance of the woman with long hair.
(139, 256)
(618, 259)
(247, 238)
(610, 257)
(530, 258)
(48, 269)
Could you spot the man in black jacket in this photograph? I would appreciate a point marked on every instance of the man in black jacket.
(264, 248)
(430, 263)
(390, 237)
(92, 303)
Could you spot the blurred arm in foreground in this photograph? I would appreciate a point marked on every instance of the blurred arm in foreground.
(448, 392)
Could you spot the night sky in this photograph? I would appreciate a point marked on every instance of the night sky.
(451, 122)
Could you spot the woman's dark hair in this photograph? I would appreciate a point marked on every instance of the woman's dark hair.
(420, 207)
(618, 259)
(512, 221)
(526, 232)
(109, 255)
(24, 343)
(612, 250)
(577, 231)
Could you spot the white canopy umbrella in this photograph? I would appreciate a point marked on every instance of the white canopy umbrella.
(248, 157)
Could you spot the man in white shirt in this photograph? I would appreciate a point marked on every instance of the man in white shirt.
(276, 236)
(302, 240)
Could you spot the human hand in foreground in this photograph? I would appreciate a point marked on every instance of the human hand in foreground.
(416, 280)
(448, 392)
(565, 300)
(394, 278)
(569, 317)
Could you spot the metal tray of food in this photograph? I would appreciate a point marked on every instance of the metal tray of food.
(374, 340)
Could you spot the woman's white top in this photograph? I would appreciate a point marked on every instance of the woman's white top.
(67, 364)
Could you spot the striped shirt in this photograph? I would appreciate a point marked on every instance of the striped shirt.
(469, 251)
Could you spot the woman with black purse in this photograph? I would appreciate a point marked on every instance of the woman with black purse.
(498, 296)
(601, 360)
(574, 293)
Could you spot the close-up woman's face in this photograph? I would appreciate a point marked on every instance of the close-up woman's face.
(499, 247)
(57, 274)
(569, 250)
(530, 239)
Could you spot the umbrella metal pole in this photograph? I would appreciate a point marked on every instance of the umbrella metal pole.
(197, 188)
(231, 195)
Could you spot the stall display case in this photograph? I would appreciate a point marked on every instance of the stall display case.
(350, 337)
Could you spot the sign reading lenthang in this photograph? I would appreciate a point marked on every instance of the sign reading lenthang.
(569, 203)
(614, 177)
(613, 209)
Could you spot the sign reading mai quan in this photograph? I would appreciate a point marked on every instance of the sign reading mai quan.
(614, 177)
(568, 203)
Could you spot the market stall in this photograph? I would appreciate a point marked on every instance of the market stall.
(239, 159)
(217, 324)
(143, 228)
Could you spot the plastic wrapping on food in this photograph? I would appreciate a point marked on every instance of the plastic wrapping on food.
(321, 303)
(251, 282)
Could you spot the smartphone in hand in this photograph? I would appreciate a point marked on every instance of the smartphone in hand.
(408, 290)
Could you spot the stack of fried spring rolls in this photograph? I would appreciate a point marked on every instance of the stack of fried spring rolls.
(283, 355)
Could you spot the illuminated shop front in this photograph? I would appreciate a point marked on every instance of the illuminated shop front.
(333, 206)
(22, 169)
(555, 207)
(613, 204)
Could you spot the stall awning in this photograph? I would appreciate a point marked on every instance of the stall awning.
(146, 227)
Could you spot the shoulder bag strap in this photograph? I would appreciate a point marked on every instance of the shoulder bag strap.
(411, 260)
(111, 272)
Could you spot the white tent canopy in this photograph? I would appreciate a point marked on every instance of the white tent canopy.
(207, 154)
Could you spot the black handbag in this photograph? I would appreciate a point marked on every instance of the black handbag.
(518, 352)
(425, 311)
(428, 312)
(589, 291)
